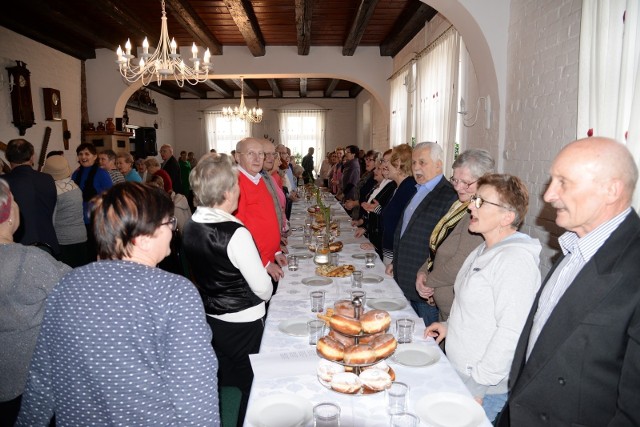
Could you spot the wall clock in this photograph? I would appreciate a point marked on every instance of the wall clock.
(52, 104)
(21, 104)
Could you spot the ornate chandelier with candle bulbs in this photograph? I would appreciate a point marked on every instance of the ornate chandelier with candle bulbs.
(164, 63)
(253, 115)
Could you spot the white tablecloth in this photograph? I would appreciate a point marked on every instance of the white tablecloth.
(287, 364)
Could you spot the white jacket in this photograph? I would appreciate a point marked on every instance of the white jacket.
(494, 291)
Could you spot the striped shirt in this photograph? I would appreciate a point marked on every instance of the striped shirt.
(577, 252)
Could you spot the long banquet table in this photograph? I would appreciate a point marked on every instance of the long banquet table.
(287, 364)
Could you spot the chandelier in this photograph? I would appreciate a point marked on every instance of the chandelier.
(241, 112)
(164, 63)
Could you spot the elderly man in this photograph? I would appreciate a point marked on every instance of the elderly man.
(35, 193)
(433, 198)
(171, 167)
(307, 165)
(256, 208)
(578, 358)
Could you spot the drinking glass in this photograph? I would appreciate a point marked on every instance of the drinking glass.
(403, 419)
(292, 262)
(404, 330)
(396, 397)
(317, 301)
(370, 260)
(356, 279)
(326, 415)
(316, 330)
(334, 258)
(357, 293)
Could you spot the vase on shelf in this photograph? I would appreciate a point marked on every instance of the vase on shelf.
(91, 127)
(110, 125)
(100, 127)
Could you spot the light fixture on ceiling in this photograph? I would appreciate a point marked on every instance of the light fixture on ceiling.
(164, 63)
(253, 115)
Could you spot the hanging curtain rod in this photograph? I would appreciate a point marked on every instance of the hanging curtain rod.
(423, 52)
(312, 110)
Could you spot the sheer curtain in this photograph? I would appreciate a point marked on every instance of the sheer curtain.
(223, 133)
(437, 93)
(399, 132)
(609, 73)
(301, 129)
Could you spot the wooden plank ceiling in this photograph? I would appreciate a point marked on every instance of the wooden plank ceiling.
(78, 27)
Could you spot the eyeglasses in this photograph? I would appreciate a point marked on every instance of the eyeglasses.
(253, 154)
(368, 159)
(464, 184)
(479, 201)
(172, 223)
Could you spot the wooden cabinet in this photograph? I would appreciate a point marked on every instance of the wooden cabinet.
(116, 141)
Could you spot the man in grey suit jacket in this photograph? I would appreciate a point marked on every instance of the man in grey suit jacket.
(433, 198)
(578, 359)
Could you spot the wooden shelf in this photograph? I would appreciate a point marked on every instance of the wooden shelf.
(145, 108)
(116, 141)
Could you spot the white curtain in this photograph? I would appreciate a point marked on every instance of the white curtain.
(223, 133)
(609, 73)
(399, 131)
(301, 129)
(437, 93)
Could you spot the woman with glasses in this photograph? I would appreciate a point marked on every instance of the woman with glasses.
(123, 341)
(451, 241)
(228, 272)
(494, 289)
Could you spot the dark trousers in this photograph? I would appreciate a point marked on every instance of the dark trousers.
(233, 343)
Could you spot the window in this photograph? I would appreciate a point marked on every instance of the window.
(301, 129)
(223, 133)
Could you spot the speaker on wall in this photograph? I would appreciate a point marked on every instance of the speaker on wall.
(145, 142)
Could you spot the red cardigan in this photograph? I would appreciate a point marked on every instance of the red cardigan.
(257, 213)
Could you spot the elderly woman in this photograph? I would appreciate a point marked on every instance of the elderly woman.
(27, 276)
(495, 289)
(67, 218)
(226, 267)
(141, 167)
(154, 168)
(363, 187)
(124, 163)
(372, 207)
(451, 239)
(122, 339)
(397, 169)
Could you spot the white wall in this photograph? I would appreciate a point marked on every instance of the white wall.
(49, 68)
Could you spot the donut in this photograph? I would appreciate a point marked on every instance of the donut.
(381, 365)
(375, 379)
(326, 370)
(330, 349)
(342, 339)
(344, 307)
(384, 346)
(345, 324)
(359, 354)
(375, 321)
(346, 382)
(366, 339)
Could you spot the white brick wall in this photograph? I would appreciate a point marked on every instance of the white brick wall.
(541, 105)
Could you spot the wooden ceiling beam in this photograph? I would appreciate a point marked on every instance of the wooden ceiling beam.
(224, 91)
(332, 86)
(275, 89)
(164, 90)
(118, 11)
(192, 90)
(250, 89)
(184, 13)
(303, 87)
(355, 90)
(304, 11)
(243, 15)
(358, 26)
(409, 23)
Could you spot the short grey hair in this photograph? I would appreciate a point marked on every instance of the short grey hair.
(151, 162)
(479, 162)
(435, 150)
(212, 177)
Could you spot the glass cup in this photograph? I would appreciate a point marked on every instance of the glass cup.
(396, 397)
(356, 279)
(316, 330)
(404, 419)
(357, 293)
(334, 258)
(326, 415)
(317, 301)
(370, 260)
(292, 262)
(307, 238)
(404, 330)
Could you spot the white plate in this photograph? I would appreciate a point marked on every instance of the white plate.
(414, 354)
(294, 327)
(317, 281)
(387, 304)
(449, 410)
(372, 278)
(281, 410)
(303, 255)
(299, 247)
(358, 256)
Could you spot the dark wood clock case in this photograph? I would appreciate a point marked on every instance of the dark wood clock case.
(21, 103)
